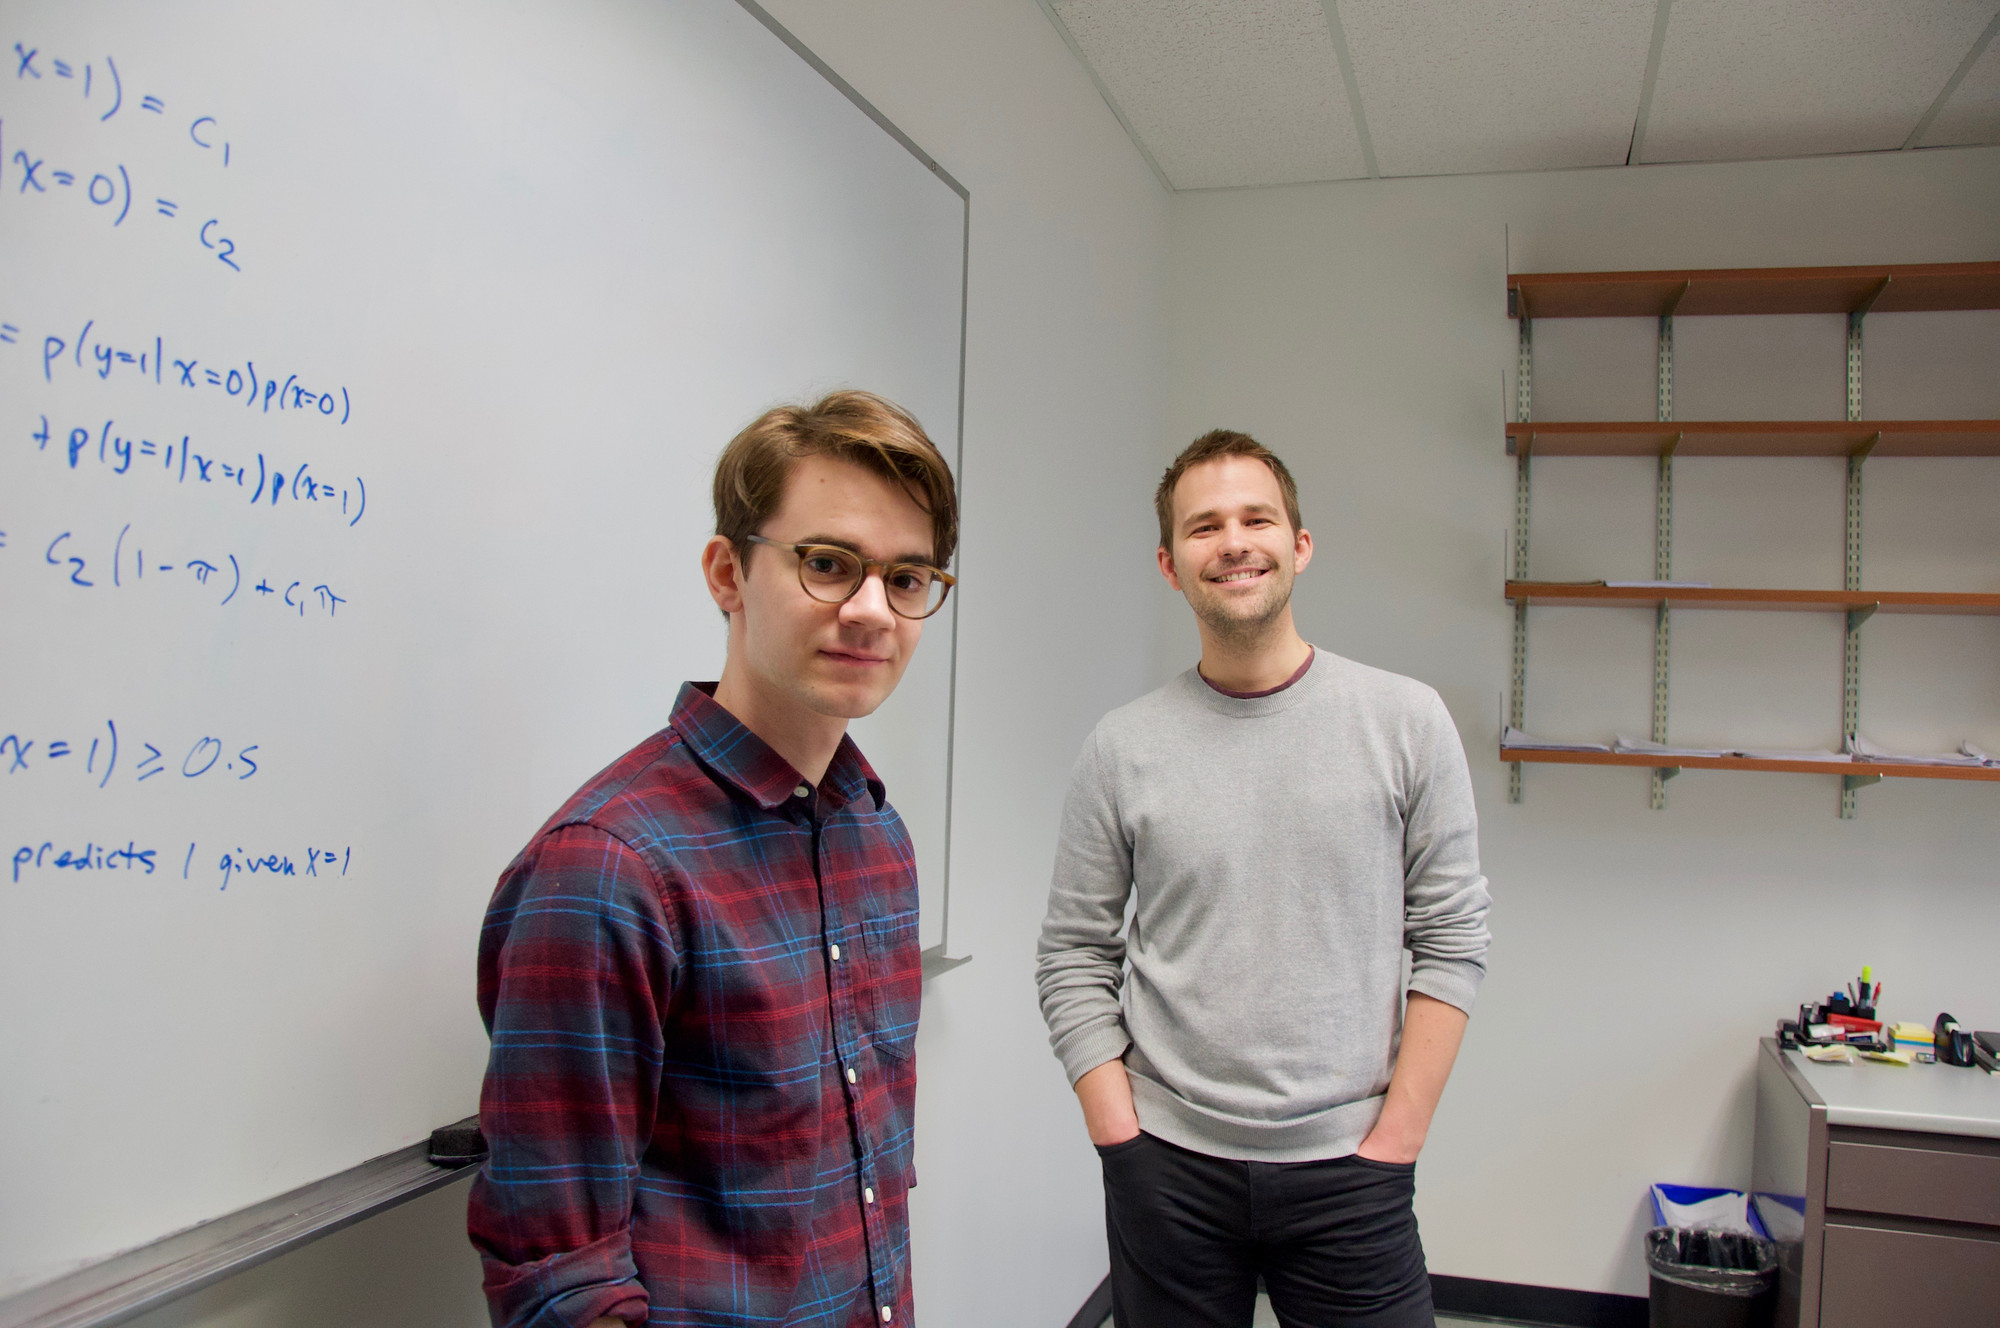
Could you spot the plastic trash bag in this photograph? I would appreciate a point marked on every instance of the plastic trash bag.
(1727, 1262)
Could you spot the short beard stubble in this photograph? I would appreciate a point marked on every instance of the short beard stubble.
(1241, 633)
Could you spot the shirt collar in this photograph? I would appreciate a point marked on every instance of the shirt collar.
(1297, 674)
(740, 757)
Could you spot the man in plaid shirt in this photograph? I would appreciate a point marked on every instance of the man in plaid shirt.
(701, 975)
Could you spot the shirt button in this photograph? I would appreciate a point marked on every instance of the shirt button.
(802, 791)
(887, 1314)
(852, 1077)
(867, 1194)
(834, 950)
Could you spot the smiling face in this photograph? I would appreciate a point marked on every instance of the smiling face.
(1234, 550)
(795, 661)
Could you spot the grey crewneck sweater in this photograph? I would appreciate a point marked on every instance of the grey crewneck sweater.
(1284, 850)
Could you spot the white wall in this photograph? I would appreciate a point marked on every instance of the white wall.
(1360, 330)
(1065, 406)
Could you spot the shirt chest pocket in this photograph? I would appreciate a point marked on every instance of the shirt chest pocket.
(888, 976)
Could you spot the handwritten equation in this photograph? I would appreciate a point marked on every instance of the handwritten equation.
(262, 483)
(91, 857)
(107, 189)
(208, 758)
(148, 170)
(109, 92)
(107, 186)
(121, 563)
(143, 361)
(313, 862)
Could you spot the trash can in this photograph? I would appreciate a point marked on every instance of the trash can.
(1702, 1278)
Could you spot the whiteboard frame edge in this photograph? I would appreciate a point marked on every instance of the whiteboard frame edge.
(942, 964)
(846, 89)
(125, 1285)
(889, 127)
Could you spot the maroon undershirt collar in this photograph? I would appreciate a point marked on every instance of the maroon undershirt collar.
(1268, 691)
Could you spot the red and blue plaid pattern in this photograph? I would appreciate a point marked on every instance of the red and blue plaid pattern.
(702, 989)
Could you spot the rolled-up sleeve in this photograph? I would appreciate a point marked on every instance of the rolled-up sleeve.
(1444, 895)
(577, 964)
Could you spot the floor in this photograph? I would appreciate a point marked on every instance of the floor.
(1266, 1319)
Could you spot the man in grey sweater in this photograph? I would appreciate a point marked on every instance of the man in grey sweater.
(1290, 824)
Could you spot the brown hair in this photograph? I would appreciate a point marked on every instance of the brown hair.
(1220, 443)
(853, 426)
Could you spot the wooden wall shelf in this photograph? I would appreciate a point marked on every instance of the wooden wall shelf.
(1761, 438)
(1549, 594)
(1648, 761)
(1664, 296)
(1899, 288)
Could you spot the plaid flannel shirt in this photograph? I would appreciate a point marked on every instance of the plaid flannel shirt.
(701, 978)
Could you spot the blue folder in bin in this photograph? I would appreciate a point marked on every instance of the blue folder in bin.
(1687, 1194)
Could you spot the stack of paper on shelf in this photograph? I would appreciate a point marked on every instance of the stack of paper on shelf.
(1513, 737)
(1865, 750)
(1777, 755)
(1858, 749)
(1641, 747)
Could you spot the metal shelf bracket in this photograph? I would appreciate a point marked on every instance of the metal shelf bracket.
(1524, 379)
(1663, 552)
(1850, 662)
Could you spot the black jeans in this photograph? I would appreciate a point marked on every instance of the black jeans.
(1335, 1241)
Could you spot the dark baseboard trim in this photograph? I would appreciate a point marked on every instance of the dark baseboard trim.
(1095, 1310)
(1558, 1307)
(1555, 1307)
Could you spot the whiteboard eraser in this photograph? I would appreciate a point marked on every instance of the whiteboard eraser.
(458, 1145)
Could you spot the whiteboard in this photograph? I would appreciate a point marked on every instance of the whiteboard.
(362, 370)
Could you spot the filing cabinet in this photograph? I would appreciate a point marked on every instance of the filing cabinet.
(1881, 1185)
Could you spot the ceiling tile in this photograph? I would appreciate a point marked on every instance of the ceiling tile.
(1497, 85)
(1973, 113)
(1787, 78)
(1223, 92)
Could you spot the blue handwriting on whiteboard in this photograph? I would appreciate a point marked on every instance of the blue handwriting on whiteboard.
(207, 758)
(140, 361)
(222, 574)
(92, 856)
(316, 862)
(109, 191)
(108, 90)
(180, 463)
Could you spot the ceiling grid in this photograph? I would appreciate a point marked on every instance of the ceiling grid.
(1968, 99)
(1794, 78)
(1234, 93)
(1223, 93)
(1347, 80)
(1652, 79)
